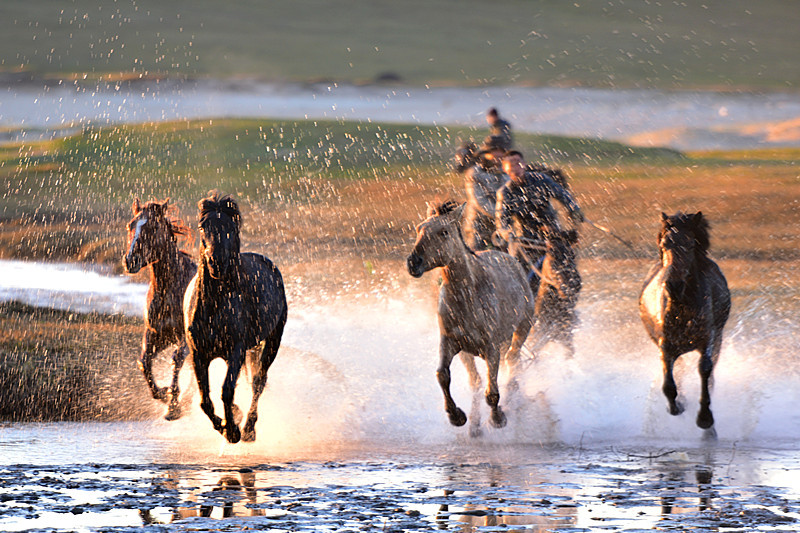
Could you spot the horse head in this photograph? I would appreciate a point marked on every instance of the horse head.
(149, 232)
(438, 238)
(219, 234)
(466, 156)
(560, 269)
(682, 239)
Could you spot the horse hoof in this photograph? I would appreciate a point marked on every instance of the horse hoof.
(249, 435)
(705, 420)
(173, 413)
(232, 434)
(475, 432)
(457, 418)
(675, 409)
(499, 419)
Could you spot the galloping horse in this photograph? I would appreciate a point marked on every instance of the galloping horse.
(485, 305)
(685, 303)
(152, 241)
(235, 302)
(560, 284)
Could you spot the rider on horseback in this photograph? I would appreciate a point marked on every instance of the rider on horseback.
(523, 212)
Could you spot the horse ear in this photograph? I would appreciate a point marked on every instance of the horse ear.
(664, 217)
(136, 207)
(697, 218)
(572, 237)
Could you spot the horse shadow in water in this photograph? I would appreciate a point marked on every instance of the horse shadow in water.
(485, 306)
(235, 302)
(559, 285)
(684, 305)
(152, 241)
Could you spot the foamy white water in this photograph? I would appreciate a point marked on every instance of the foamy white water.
(70, 286)
(362, 369)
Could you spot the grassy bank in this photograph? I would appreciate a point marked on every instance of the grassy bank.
(673, 45)
(59, 365)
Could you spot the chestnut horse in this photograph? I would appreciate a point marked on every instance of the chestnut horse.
(684, 305)
(485, 305)
(235, 302)
(152, 241)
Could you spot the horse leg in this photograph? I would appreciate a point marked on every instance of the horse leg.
(669, 387)
(201, 373)
(512, 355)
(235, 361)
(446, 353)
(492, 391)
(475, 384)
(149, 350)
(269, 351)
(706, 366)
(178, 358)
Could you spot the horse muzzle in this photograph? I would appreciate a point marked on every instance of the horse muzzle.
(415, 265)
(133, 263)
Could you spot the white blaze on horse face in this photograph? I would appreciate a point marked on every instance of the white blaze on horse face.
(136, 233)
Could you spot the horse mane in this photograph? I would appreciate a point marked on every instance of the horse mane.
(170, 214)
(694, 222)
(216, 203)
(436, 210)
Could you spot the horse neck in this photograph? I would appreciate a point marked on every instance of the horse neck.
(461, 270)
(679, 286)
(167, 267)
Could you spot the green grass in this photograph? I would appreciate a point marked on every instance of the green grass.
(265, 160)
(606, 43)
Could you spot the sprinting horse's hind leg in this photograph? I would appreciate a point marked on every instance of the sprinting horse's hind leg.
(475, 383)
(669, 387)
(492, 391)
(149, 351)
(178, 358)
(269, 351)
(446, 353)
(708, 357)
(201, 373)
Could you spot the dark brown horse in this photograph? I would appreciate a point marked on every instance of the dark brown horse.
(684, 305)
(554, 317)
(235, 302)
(485, 305)
(152, 241)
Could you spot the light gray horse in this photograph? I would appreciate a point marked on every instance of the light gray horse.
(485, 306)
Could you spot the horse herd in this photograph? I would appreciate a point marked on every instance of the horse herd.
(232, 305)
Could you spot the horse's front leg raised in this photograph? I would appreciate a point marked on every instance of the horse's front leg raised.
(235, 361)
(669, 387)
(149, 350)
(201, 373)
(492, 390)
(448, 350)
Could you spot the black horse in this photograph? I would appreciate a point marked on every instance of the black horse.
(235, 302)
(554, 315)
(685, 303)
(152, 241)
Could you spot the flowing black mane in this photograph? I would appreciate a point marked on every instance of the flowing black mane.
(443, 208)
(216, 204)
(695, 223)
(168, 213)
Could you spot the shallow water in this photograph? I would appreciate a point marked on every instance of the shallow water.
(352, 436)
(684, 120)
